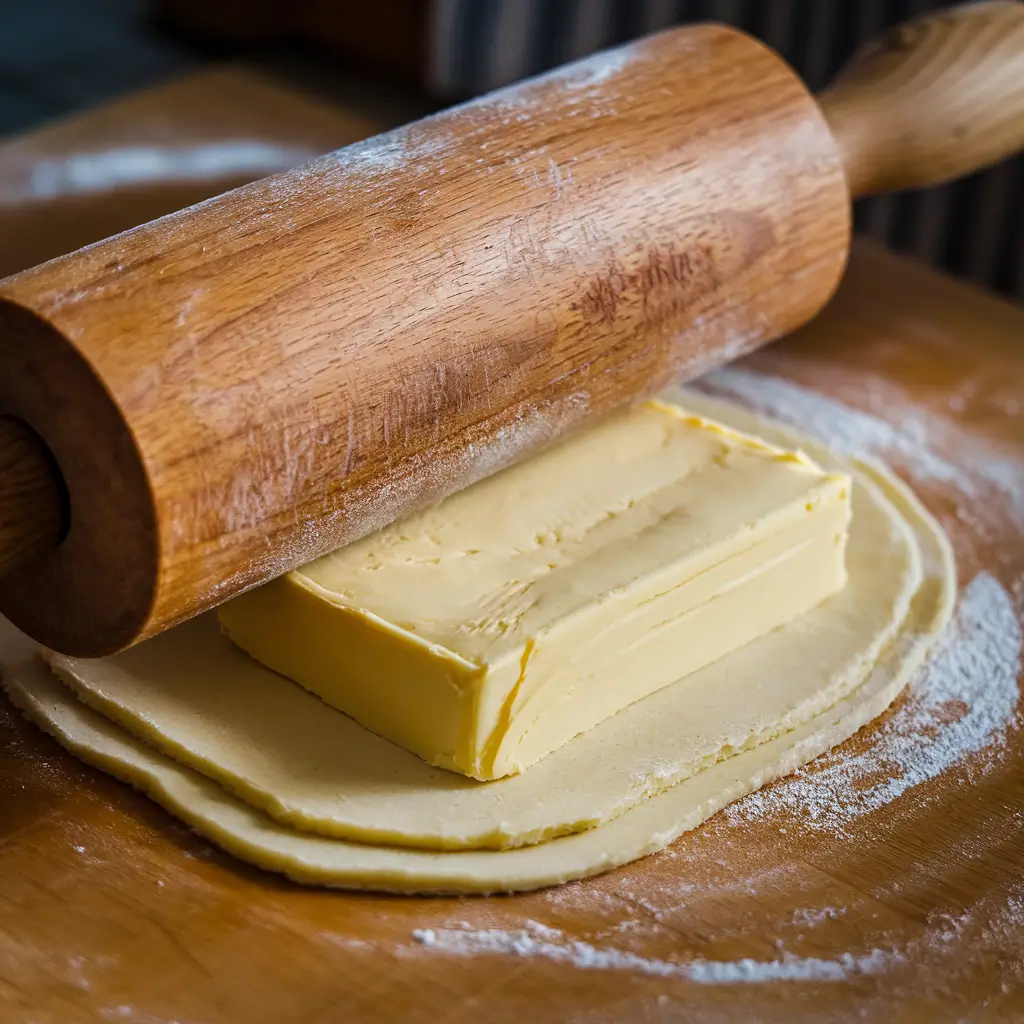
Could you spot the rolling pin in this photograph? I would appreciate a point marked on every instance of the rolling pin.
(202, 403)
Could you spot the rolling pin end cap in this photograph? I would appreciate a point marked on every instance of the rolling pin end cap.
(89, 585)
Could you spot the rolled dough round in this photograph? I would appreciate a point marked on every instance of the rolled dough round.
(266, 771)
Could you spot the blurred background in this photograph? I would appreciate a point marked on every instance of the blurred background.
(114, 111)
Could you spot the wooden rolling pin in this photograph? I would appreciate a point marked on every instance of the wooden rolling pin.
(200, 404)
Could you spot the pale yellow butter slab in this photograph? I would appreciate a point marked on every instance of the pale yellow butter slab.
(486, 632)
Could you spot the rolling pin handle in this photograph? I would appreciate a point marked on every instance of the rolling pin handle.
(934, 99)
(33, 499)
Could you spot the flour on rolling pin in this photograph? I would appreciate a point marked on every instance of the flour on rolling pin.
(370, 165)
(421, 484)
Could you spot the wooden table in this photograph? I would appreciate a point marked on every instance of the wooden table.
(85, 177)
(112, 911)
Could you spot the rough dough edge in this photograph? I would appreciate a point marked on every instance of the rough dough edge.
(284, 807)
(643, 829)
(142, 725)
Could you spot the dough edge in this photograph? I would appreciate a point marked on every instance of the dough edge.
(637, 754)
(642, 829)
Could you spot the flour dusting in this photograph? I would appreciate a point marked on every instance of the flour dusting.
(540, 941)
(576, 81)
(926, 445)
(86, 173)
(597, 68)
(410, 148)
(961, 704)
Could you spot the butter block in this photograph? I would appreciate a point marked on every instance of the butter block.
(490, 630)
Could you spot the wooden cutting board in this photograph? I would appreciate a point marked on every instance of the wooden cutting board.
(884, 881)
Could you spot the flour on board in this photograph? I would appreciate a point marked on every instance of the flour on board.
(952, 944)
(959, 706)
(908, 437)
(537, 940)
(957, 713)
(85, 173)
(963, 701)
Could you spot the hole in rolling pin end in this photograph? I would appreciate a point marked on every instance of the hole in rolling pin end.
(34, 501)
(89, 587)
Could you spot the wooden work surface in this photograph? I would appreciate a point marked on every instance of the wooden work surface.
(112, 911)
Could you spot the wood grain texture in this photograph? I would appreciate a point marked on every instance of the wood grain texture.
(259, 379)
(936, 98)
(113, 911)
(31, 521)
(287, 367)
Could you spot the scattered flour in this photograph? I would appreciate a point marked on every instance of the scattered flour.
(965, 699)
(410, 148)
(372, 165)
(958, 711)
(811, 917)
(929, 447)
(960, 704)
(537, 940)
(844, 429)
(576, 82)
(597, 68)
(991, 928)
(85, 173)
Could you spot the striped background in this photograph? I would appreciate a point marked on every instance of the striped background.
(973, 228)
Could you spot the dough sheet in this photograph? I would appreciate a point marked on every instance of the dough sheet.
(617, 793)
(491, 630)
